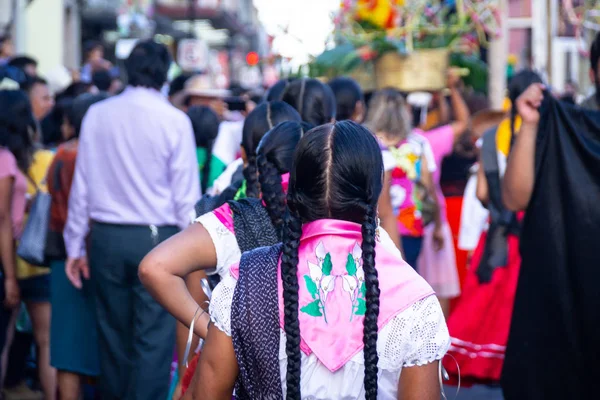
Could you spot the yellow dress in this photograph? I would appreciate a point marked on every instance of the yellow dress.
(41, 162)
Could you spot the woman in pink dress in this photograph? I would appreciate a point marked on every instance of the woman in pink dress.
(438, 267)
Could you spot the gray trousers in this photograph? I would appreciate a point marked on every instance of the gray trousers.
(136, 335)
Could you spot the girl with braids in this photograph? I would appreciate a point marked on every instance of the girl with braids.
(218, 238)
(314, 100)
(262, 119)
(335, 303)
(480, 323)
(205, 123)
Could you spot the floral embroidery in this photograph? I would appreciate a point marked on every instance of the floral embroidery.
(354, 282)
(319, 283)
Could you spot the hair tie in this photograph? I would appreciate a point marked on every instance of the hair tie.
(301, 97)
(269, 116)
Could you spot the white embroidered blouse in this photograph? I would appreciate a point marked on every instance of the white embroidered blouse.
(416, 336)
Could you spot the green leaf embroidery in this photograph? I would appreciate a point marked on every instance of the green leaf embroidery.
(312, 309)
(363, 289)
(351, 265)
(327, 266)
(311, 286)
(361, 308)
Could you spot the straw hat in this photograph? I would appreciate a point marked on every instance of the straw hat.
(199, 86)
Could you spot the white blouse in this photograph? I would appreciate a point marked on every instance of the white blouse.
(226, 245)
(416, 336)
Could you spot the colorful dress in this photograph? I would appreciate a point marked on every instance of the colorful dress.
(480, 323)
(439, 267)
(412, 330)
(404, 161)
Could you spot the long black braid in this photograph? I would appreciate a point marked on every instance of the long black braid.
(275, 157)
(337, 174)
(289, 276)
(251, 177)
(370, 329)
(272, 191)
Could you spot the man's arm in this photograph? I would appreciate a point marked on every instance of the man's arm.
(519, 179)
(77, 226)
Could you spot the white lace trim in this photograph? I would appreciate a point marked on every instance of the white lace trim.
(220, 303)
(416, 336)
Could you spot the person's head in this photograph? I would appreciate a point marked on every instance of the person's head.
(6, 47)
(74, 90)
(147, 65)
(177, 85)
(26, 64)
(389, 114)
(261, 120)
(102, 80)
(276, 91)
(93, 51)
(39, 94)
(337, 174)
(275, 155)
(52, 126)
(16, 126)
(76, 113)
(349, 99)
(517, 85)
(200, 90)
(205, 123)
(313, 100)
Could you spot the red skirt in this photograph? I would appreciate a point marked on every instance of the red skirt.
(480, 323)
(189, 374)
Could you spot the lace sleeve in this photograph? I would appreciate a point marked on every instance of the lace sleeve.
(220, 304)
(226, 247)
(429, 337)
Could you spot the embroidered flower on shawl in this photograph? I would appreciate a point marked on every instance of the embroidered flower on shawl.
(354, 281)
(319, 283)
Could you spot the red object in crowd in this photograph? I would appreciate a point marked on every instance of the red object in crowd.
(252, 58)
(189, 374)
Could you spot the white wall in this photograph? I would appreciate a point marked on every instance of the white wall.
(45, 24)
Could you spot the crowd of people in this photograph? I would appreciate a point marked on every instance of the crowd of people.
(299, 247)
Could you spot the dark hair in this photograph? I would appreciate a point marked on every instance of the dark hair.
(313, 100)
(51, 124)
(337, 173)
(90, 46)
(102, 80)
(205, 123)
(31, 81)
(276, 91)
(347, 94)
(148, 65)
(74, 90)
(80, 107)
(595, 55)
(16, 120)
(178, 84)
(261, 120)
(275, 155)
(22, 61)
(517, 85)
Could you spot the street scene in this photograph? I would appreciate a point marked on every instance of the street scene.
(317, 199)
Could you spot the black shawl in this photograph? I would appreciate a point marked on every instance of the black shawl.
(554, 343)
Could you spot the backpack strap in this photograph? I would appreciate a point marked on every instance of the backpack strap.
(255, 330)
